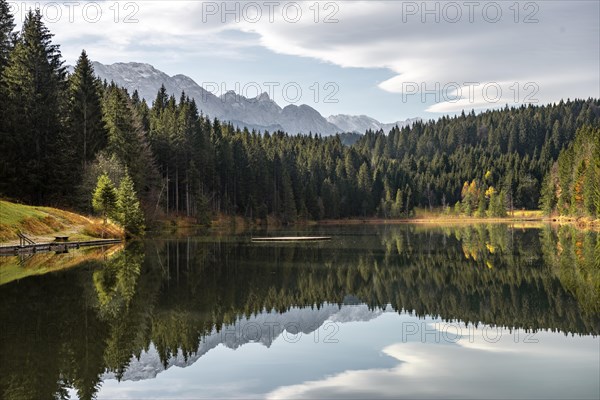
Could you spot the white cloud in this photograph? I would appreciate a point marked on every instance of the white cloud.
(560, 53)
(485, 360)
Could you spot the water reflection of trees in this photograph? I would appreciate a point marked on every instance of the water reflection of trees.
(66, 329)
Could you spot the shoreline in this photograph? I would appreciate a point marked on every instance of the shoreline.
(443, 220)
(10, 250)
(527, 219)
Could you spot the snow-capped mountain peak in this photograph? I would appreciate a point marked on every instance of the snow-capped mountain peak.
(362, 123)
(260, 112)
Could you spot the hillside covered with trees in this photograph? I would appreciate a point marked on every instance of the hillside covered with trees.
(60, 132)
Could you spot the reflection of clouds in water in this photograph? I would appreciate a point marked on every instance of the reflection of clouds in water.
(264, 328)
(472, 365)
(372, 360)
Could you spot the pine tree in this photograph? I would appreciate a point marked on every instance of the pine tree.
(128, 211)
(577, 187)
(104, 163)
(457, 208)
(480, 205)
(6, 44)
(548, 194)
(501, 204)
(34, 143)
(7, 37)
(397, 206)
(203, 210)
(104, 198)
(289, 204)
(565, 174)
(496, 206)
(365, 186)
(127, 139)
(85, 111)
(408, 206)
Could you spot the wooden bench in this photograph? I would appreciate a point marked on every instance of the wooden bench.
(61, 238)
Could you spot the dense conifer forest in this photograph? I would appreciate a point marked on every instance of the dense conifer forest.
(60, 132)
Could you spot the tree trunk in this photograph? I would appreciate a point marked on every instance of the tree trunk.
(187, 193)
(84, 134)
(177, 189)
(167, 190)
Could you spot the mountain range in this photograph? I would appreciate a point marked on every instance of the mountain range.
(260, 113)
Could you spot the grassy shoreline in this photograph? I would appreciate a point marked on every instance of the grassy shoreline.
(42, 224)
(523, 222)
(522, 218)
(433, 217)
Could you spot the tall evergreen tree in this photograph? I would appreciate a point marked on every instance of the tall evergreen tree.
(85, 111)
(548, 193)
(129, 213)
(397, 206)
(6, 43)
(365, 186)
(7, 36)
(34, 167)
(127, 138)
(104, 198)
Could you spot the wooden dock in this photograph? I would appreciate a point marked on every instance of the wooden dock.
(291, 239)
(61, 247)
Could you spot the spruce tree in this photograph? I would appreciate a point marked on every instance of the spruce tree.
(129, 214)
(397, 206)
(85, 111)
(34, 143)
(548, 194)
(6, 43)
(104, 198)
(289, 204)
(480, 205)
(7, 36)
(365, 187)
(457, 208)
(127, 138)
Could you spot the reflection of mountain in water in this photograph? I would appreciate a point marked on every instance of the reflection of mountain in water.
(263, 328)
(531, 279)
(162, 301)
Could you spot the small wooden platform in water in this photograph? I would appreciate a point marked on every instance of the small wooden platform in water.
(291, 239)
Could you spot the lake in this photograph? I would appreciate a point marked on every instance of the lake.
(380, 311)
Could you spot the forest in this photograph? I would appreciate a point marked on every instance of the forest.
(61, 132)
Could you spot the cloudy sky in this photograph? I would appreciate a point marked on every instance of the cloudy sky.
(387, 59)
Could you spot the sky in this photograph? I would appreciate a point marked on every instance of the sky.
(390, 60)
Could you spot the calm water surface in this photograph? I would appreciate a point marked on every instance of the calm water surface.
(488, 311)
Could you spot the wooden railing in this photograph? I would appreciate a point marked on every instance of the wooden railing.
(24, 240)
